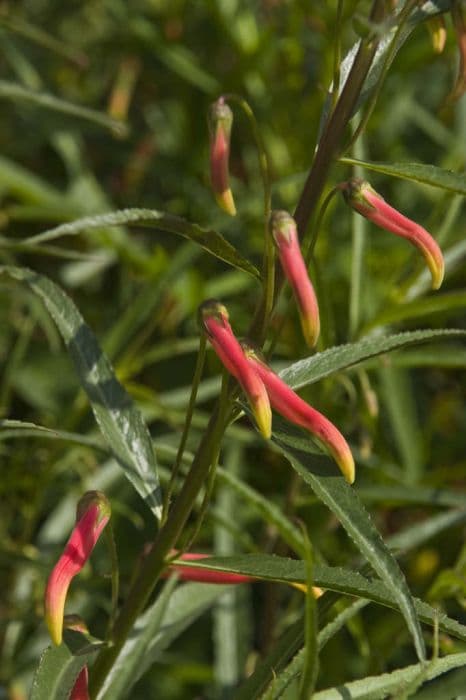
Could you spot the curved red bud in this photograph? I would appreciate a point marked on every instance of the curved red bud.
(292, 407)
(365, 200)
(214, 319)
(80, 689)
(197, 573)
(285, 235)
(93, 513)
(220, 122)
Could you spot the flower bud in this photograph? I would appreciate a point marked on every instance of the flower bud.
(370, 204)
(80, 690)
(214, 319)
(284, 232)
(93, 513)
(220, 121)
(292, 407)
(197, 573)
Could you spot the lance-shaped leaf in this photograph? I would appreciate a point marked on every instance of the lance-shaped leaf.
(118, 418)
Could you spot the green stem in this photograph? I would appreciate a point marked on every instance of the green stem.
(359, 227)
(166, 539)
(336, 124)
(110, 538)
(391, 53)
(268, 268)
(187, 424)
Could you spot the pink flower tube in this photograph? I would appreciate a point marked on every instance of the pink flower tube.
(371, 205)
(292, 407)
(93, 514)
(285, 235)
(220, 121)
(197, 573)
(80, 690)
(214, 318)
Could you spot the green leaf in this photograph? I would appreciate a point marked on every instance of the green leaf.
(210, 240)
(289, 673)
(10, 429)
(418, 172)
(344, 502)
(398, 400)
(124, 671)
(18, 93)
(341, 357)
(388, 684)
(187, 603)
(59, 666)
(118, 418)
(269, 567)
(437, 303)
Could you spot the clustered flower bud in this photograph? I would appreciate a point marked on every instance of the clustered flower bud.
(92, 515)
(263, 387)
(285, 236)
(220, 121)
(214, 320)
(292, 407)
(365, 200)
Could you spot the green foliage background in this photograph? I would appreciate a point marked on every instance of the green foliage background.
(139, 290)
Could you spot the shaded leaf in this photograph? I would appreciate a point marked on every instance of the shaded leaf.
(418, 172)
(344, 502)
(43, 100)
(282, 569)
(340, 357)
(124, 672)
(59, 666)
(213, 242)
(379, 687)
(118, 418)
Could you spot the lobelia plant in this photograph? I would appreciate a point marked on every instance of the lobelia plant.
(208, 476)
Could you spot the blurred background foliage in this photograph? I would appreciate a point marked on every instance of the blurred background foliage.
(153, 67)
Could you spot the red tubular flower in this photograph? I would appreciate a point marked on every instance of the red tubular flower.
(220, 121)
(370, 204)
(285, 235)
(197, 573)
(214, 318)
(80, 690)
(92, 515)
(293, 408)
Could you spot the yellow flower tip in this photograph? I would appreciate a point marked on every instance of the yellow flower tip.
(437, 271)
(55, 627)
(316, 591)
(263, 416)
(347, 468)
(226, 202)
(310, 326)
